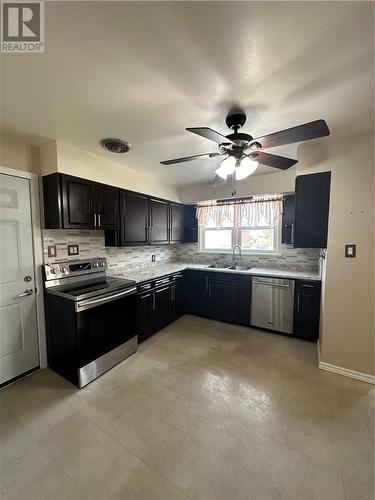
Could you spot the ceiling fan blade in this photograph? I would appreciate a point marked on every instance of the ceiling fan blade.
(275, 161)
(210, 134)
(188, 158)
(219, 181)
(305, 132)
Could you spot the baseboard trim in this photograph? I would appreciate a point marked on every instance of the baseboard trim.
(364, 377)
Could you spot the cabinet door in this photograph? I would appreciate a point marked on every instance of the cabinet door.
(244, 299)
(77, 200)
(145, 315)
(190, 224)
(287, 233)
(176, 223)
(223, 294)
(178, 296)
(307, 312)
(159, 217)
(134, 219)
(311, 210)
(162, 306)
(197, 293)
(107, 207)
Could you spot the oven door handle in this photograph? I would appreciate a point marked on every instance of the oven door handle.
(87, 304)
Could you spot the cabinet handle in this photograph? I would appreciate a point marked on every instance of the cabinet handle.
(161, 290)
(292, 235)
(94, 220)
(173, 289)
(209, 291)
(99, 220)
(298, 302)
(307, 286)
(153, 301)
(206, 283)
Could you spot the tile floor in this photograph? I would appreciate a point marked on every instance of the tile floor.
(204, 410)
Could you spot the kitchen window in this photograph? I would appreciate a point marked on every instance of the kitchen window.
(254, 225)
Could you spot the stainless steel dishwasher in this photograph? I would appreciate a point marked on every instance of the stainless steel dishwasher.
(272, 304)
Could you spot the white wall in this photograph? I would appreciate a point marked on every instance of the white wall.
(42, 156)
(74, 161)
(348, 323)
(16, 152)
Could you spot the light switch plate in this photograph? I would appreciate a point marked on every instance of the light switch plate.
(51, 250)
(73, 249)
(350, 250)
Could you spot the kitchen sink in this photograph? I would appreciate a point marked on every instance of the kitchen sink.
(239, 268)
(232, 268)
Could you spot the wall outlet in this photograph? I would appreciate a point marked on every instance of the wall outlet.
(73, 249)
(153, 258)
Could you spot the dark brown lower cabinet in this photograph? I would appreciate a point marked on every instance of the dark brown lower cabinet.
(223, 297)
(307, 310)
(218, 296)
(160, 302)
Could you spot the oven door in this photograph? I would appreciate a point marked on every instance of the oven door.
(104, 323)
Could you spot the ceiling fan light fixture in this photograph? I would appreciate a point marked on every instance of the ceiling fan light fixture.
(227, 167)
(245, 168)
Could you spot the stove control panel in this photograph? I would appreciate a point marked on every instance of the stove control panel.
(74, 268)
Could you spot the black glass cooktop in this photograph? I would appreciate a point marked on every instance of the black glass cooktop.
(91, 288)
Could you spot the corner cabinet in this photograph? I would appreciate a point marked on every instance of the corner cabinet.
(311, 210)
(287, 230)
(176, 223)
(75, 203)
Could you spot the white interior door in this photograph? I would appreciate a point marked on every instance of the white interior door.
(19, 350)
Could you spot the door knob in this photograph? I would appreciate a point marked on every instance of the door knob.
(25, 293)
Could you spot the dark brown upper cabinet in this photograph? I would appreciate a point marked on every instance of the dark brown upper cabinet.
(287, 232)
(77, 203)
(74, 203)
(311, 210)
(159, 222)
(190, 224)
(176, 223)
(107, 214)
(134, 219)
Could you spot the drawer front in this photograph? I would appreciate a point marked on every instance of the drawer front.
(313, 286)
(162, 281)
(144, 287)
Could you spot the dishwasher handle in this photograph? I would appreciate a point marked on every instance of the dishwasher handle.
(274, 285)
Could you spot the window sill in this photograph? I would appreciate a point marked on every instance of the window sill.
(244, 254)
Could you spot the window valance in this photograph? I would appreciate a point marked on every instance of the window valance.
(259, 211)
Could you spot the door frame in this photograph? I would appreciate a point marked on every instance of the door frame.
(37, 244)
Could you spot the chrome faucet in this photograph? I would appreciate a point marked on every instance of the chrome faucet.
(234, 259)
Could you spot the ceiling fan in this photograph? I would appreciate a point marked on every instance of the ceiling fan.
(242, 153)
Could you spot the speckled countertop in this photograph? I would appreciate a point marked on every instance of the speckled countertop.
(157, 271)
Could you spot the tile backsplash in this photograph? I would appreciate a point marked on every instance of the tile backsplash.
(91, 244)
(294, 259)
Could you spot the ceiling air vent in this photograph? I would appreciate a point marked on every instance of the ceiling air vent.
(115, 145)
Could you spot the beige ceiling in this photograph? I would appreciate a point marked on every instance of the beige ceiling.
(145, 71)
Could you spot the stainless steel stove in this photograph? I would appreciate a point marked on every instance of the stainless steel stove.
(91, 319)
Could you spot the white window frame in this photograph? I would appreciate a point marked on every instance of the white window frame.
(236, 240)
